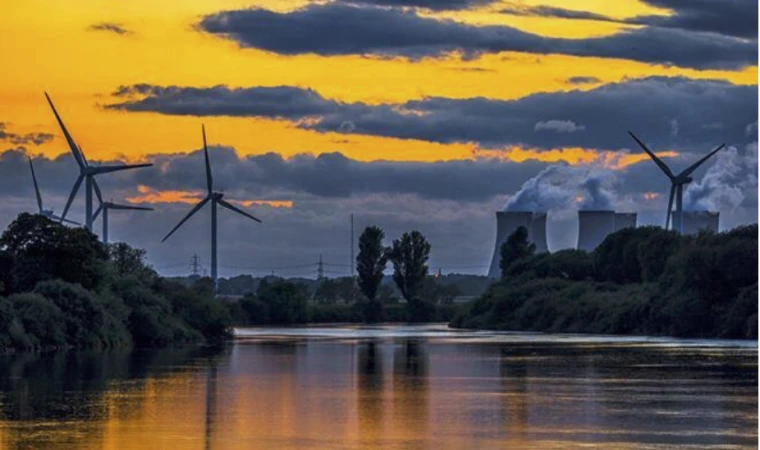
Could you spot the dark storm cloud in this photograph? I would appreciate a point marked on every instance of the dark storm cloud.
(282, 102)
(583, 80)
(338, 29)
(110, 27)
(737, 18)
(436, 5)
(596, 118)
(452, 203)
(23, 139)
(334, 175)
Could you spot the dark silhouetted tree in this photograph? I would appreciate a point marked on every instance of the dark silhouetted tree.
(43, 249)
(515, 248)
(127, 260)
(370, 264)
(409, 256)
(371, 261)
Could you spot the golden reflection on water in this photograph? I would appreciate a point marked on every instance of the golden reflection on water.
(395, 393)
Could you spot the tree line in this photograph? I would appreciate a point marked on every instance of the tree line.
(62, 288)
(643, 280)
(363, 299)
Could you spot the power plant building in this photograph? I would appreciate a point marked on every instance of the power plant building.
(625, 220)
(506, 224)
(593, 227)
(699, 220)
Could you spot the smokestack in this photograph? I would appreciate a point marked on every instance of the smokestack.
(696, 221)
(506, 224)
(593, 227)
(625, 220)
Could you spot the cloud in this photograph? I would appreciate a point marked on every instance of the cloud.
(728, 183)
(452, 203)
(23, 139)
(110, 27)
(583, 80)
(558, 126)
(563, 189)
(281, 102)
(340, 29)
(735, 18)
(436, 5)
(646, 105)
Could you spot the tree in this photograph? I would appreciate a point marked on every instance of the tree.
(371, 261)
(129, 261)
(409, 256)
(515, 248)
(286, 301)
(43, 249)
(370, 265)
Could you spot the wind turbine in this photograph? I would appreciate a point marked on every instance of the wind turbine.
(87, 172)
(106, 206)
(45, 212)
(216, 198)
(677, 182)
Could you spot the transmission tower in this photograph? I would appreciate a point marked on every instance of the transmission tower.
(195, 265)
(320, 268)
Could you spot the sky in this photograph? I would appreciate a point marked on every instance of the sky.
(409, 114)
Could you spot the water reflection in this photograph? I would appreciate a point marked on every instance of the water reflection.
(392, 390)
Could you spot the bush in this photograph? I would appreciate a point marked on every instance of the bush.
(42, 320)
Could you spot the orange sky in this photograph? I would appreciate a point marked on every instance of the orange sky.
(56, 51)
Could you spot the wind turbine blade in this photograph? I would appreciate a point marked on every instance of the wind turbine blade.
(69, 139)
(209, 179)
(136, 208)
(53, 216)
(696, 165)
(236, 209)
(72, 195)
(81, 153)
(97, 211)
(654, 157)
(108, 169)
(670, 205)
(97, 191)
(36, 188)
(190, 214)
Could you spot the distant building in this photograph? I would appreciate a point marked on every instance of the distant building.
(698, 220)
(506, 224)
(595, 225)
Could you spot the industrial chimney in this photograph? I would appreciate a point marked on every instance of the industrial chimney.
(593, 227)
(696, 221)
(506, 224)
(624, 220)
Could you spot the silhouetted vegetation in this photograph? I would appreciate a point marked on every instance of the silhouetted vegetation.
(370, 265)
(409, 256)
(62, 288)
(638, 281)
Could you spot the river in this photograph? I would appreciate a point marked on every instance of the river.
(391, 387)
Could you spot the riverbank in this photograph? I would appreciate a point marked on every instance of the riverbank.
(643, 281)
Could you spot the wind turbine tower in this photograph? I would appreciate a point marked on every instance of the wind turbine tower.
(87, 172)
(106, 206)
(42, 211)
(216, 198)
(677, 182)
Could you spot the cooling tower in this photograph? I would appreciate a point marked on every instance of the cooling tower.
(625, 220)
(506, 224)
(593, 227)
(695, 221)
(537, 232)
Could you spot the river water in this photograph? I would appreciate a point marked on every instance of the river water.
(394, 387)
